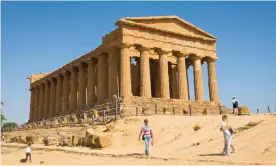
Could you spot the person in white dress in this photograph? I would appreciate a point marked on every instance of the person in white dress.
(225, 128)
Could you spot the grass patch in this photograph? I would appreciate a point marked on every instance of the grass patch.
(248, 126)
(197, 127)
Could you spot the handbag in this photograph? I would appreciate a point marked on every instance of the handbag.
(231, 130)
(143, 137)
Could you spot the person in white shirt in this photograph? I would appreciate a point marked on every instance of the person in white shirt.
(147, 135)
(28, 152)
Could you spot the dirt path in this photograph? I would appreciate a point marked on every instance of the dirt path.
(173, 144)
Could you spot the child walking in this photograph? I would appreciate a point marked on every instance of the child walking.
(28, 152)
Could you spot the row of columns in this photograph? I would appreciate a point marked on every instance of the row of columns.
(95, 80)
(183, 89)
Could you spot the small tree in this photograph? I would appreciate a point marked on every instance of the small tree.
(3, 118)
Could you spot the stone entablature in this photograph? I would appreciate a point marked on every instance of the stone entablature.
(136, 59)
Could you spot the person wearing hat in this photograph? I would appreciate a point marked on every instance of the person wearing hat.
(235, 105)
(147, 135)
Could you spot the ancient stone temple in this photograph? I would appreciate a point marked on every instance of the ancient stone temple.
(144, 61)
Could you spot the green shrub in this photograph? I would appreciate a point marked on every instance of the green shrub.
(247, 126)
(197, 127)
(252, 124)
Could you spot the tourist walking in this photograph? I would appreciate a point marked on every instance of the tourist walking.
(235, 105)
(28, 152)
(225, 128)
(147, 135)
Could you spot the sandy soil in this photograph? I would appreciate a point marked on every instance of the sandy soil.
(174, 137)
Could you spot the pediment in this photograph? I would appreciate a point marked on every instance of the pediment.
(169, 23)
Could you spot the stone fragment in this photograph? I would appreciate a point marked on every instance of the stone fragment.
(22, 140)
(243, 110)
(77, 140)
(50, 140)
(103, 140)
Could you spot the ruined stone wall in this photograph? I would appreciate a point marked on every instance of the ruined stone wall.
(153, 106)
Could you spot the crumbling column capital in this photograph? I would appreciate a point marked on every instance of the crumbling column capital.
(58, 77)
(65, 73)
(210, 59)
(160, 52)
(194, 57)
(125, 45)
(91, 61)
(143, 48)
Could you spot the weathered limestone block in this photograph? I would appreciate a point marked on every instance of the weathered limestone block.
(243, 110)
(110, 127)
(22, 140)
(12, 139)
(56, 122)
(65, 120)
(89, 132)
(65, 141)
(103, 140)
(74, 119)
(50, 140)
(34, 139)
(85, 117)
(77, 140)
(88, 141)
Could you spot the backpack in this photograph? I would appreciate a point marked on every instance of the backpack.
(236, 104)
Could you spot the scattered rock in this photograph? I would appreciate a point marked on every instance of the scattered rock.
(22, 140)
(110, 127)
(77, 140)
(50, 140)
(88, 141)
(34, 139)
(243, 110)
(89, 131)
(12, 140)
(103, 140)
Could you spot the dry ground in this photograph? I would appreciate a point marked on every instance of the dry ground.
(174, 137)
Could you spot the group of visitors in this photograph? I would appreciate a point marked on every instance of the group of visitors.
(228, 131)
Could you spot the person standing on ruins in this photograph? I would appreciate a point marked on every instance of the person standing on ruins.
(225, 127)
(235, 105)
(147, 135)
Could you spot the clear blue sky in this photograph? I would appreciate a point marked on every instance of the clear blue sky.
(43, 36)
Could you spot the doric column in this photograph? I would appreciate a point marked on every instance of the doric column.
(58, 95)
(145, 84)
(188, 64)
(102, 78)
(65, 90)
(163, 73)
(157, 79)
(212, 80)
(173, 81)
(41, 101)
(183, 77)
(46, 99)
(125, 75)
(36, 104)
(113, 57)
(82, 87)
(198, 81)
(32, 104)
(73, 89)
(52, 97)
(91, 82)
